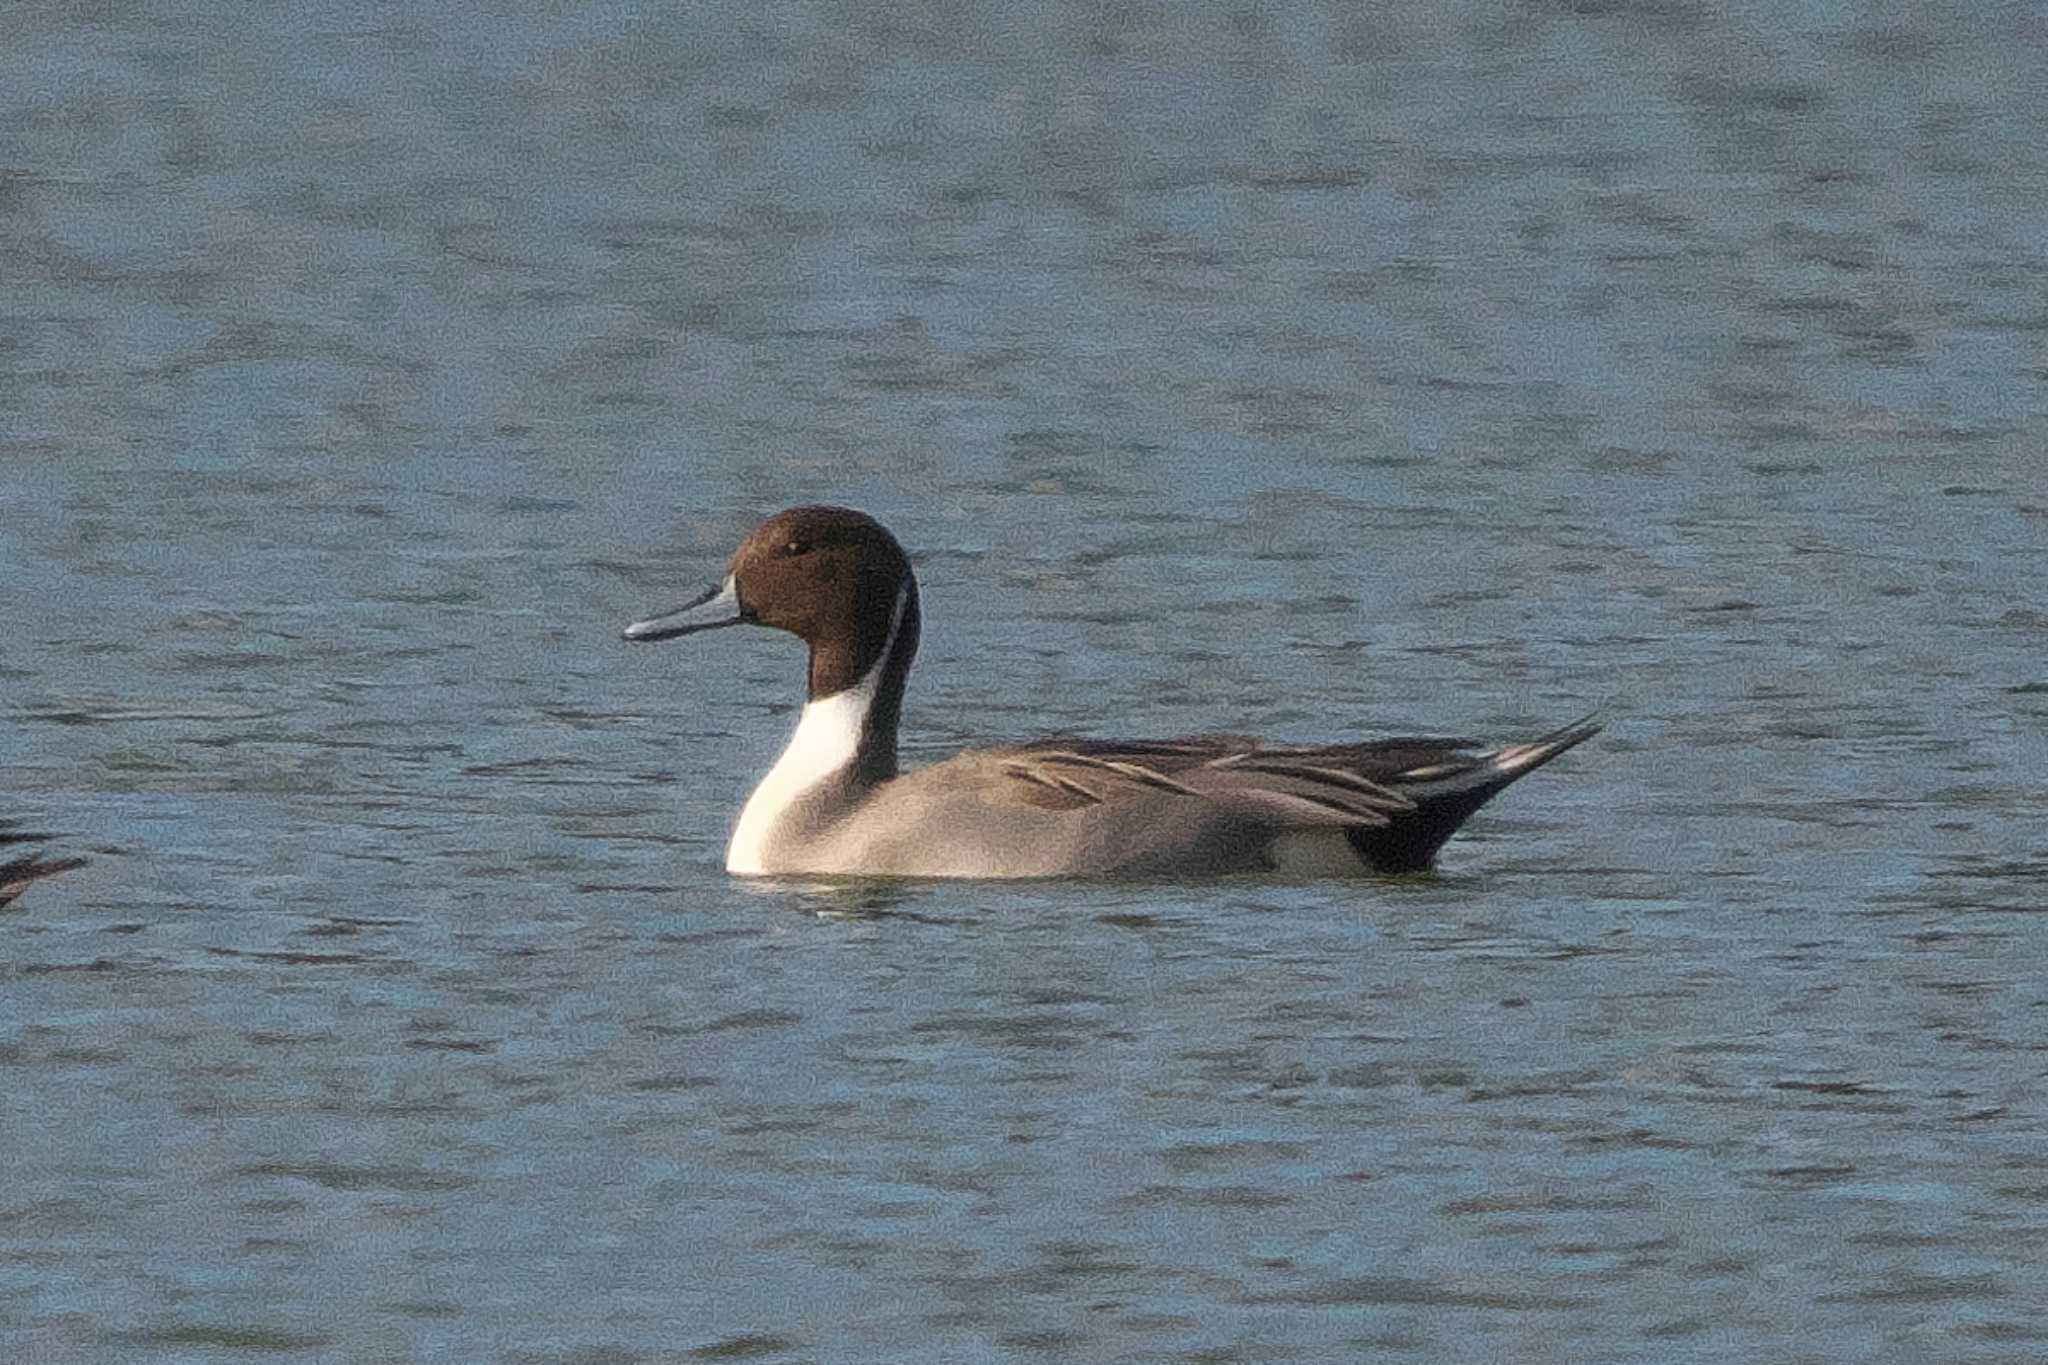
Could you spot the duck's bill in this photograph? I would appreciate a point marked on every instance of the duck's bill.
(719, 607)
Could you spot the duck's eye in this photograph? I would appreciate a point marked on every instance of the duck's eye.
(797, 547)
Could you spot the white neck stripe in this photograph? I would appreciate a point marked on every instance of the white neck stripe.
(827, 738)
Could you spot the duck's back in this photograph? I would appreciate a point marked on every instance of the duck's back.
(971, 816)
(1199, 806)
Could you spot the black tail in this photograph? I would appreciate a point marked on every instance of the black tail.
(1446, 792)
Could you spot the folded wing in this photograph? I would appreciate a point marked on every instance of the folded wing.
(1397, 799)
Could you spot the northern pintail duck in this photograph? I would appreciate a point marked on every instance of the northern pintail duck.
(836, 803)
(18, 871)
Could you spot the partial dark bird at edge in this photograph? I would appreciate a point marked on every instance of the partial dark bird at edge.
(19, 871)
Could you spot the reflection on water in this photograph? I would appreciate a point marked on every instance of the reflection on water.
(1316, 375)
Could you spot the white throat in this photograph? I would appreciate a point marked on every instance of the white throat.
(827, 738)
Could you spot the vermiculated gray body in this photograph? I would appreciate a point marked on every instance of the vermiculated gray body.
(835, 803)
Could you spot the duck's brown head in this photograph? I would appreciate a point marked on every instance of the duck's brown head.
(830, 576)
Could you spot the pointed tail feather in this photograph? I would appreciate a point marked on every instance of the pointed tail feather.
(1516, 759)
(1446, 794)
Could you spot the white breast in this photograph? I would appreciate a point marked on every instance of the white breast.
(827, 738)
